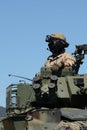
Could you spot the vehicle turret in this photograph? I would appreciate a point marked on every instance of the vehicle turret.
(49, 98)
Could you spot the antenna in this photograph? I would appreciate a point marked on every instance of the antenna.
(20, 77)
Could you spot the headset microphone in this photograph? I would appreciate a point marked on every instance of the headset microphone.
(48, 49)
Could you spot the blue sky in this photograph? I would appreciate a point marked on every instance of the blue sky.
(23, 27)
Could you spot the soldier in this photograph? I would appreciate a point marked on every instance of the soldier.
(59, 58)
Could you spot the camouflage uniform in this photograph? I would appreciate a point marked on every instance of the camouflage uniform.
(58, 61)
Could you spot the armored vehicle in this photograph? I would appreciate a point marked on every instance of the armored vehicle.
(52, 101)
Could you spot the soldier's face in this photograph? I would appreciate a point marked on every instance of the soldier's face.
(56, 46)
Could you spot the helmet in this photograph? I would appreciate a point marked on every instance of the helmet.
(58, 36)
(56, 43)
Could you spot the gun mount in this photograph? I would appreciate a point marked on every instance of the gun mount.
(49, 100)
(80, 52)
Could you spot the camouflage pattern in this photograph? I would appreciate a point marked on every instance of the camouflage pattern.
(75, 125)
(59, 36)
(58, 61)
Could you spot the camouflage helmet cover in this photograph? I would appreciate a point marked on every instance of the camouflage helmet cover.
(59, 36)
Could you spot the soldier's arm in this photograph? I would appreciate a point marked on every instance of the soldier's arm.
(56, 67)
(69, 61)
